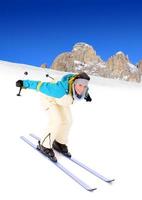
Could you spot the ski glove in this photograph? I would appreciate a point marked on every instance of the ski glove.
(88, 98)
(19, 83)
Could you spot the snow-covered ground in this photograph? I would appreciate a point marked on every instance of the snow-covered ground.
(106, 135)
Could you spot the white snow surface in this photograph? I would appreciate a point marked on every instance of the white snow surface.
(119, 52)
(101, 65)
(106, 135)
(132, 67)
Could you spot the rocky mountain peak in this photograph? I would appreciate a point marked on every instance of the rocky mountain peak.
(120, 56)
(83, 57)
(120, 53)
(82, 46)
(82, 54)
(85, 53)
(119, 61)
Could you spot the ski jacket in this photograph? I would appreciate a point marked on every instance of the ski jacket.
(54, 93)
(57, 90)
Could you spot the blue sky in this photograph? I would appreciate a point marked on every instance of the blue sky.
(35, 32)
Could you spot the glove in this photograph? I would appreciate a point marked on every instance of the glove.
(88, 98)
(19, 83)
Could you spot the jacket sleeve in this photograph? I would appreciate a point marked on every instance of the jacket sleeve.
(30, 84)
(55, 90)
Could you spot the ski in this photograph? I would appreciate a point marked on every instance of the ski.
(92, 171)
(61, 167)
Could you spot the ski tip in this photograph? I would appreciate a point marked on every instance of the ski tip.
(110, 181)
(22, 137)
(92, 189)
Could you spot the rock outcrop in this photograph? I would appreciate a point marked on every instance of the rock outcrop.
(140, 67)
(120, 67)
(84, 58)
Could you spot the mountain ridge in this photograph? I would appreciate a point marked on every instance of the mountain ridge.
(83, 57)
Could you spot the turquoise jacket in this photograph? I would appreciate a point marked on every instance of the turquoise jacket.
(56, 90)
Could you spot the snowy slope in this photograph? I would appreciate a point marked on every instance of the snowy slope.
(106, 134)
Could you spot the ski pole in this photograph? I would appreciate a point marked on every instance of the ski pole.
(19, 93)
(47, 75)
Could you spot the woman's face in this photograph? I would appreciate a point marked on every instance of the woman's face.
(79, 88)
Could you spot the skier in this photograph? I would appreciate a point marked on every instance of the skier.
(56, 99)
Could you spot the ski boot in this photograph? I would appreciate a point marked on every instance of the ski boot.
(61, 148)
(47, 152)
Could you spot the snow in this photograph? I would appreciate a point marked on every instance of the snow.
(132, 67)
(78, 62)
(101, 65)
(119, 52)
(80, 44)
(106, 135)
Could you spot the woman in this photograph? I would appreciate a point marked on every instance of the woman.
(56, 99)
